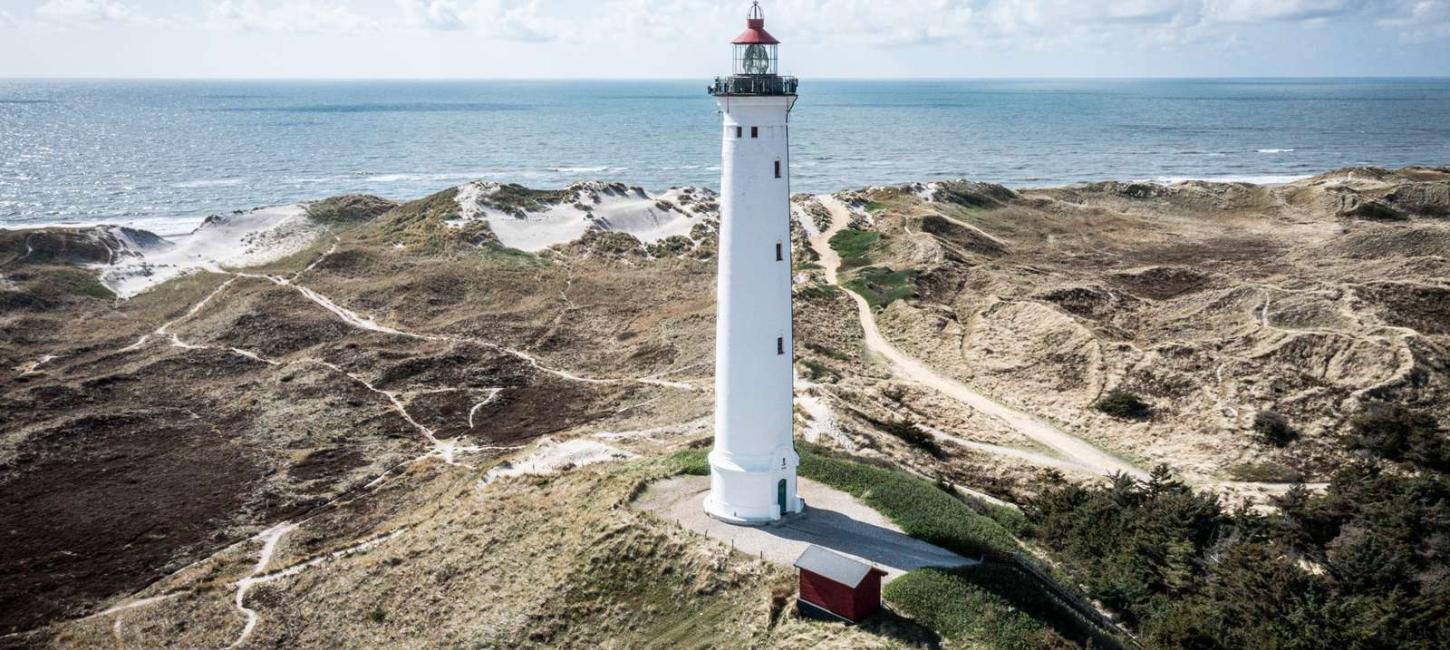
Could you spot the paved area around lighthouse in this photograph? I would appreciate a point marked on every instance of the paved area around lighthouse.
(832, 519)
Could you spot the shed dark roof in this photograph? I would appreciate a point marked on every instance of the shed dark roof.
(833, 565)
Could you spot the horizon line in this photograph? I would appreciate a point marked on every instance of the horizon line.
(707, 78)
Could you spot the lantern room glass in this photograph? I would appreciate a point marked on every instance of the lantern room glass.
(757, 59)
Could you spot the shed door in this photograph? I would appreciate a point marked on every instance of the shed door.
(780, 496)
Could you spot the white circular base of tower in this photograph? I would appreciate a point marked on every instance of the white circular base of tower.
(733, 515)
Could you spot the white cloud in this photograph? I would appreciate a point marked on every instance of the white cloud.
(84, 11)
(287, 16)
(1252, 11)
(6, 20)
(1420, 20)
(432, 14)
(510, 20)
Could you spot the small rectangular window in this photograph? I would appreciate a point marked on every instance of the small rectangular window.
(739, 131)
(779, 252)
(777, 169)
(780, 345)
(754, 131)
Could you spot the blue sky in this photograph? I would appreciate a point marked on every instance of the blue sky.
(688, 38)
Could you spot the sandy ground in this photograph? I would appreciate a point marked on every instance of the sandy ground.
(832, 519)
(1069, 447)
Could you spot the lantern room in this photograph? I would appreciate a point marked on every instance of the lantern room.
(756, 51)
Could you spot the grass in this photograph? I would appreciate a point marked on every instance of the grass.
(921, 508)
(817, 292)
(881, 286)
(828, 352)
(853, 245)
(918, 506)
(1267, 472)
(817, 371)
(69, 281)
(994, 605)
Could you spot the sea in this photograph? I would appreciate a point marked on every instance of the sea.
(164, 154)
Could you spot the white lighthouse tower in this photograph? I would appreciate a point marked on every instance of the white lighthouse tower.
(753, 465)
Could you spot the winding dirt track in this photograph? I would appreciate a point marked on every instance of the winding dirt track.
(1071, 448)
(1073, 452)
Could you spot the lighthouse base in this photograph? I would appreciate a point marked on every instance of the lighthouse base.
(747, 496)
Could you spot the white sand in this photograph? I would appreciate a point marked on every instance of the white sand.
(235, 240)
(606, 207)
(551, 457)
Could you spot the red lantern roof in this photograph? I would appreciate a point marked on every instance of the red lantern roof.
(755, 33)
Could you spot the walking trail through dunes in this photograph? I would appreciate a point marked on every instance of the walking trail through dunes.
(1068, 447)
(1062, 451)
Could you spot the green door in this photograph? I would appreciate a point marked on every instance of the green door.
(780, 496)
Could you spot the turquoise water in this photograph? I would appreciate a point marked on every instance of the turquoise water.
(164, 153)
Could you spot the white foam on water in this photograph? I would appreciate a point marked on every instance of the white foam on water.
(1267, 179)
(213, 182)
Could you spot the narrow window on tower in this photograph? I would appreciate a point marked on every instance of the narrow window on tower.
(779, 252)
(739, 131)
(780, 345)
(777, 169)
(754, 131)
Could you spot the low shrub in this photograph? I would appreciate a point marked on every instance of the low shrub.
(911, 434)
(817, 371)
(1397, 433)
(1274, 429)
(962, 612)
(1124, 405)
(1265, 473)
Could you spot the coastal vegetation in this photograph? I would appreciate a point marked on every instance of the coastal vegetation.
(1125, 405)
(1362, 565)
(882, 286)
(853, 246)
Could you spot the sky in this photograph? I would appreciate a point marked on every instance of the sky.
(638, 39)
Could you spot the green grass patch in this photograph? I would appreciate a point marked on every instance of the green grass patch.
(963, 612)
(1267, 472)
(881, 286)
(818, 292)
(817, 371)
(853, 245)
(922, 509)
(694, 462)
(68, 281)
(828, 352)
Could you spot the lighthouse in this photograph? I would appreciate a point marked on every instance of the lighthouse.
(753, 464)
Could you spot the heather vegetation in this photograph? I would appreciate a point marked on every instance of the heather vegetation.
(1124, 405)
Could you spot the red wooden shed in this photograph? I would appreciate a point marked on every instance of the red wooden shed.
(836, 586)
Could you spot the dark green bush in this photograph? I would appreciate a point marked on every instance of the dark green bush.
(908, 432)
(1274, 429)
(1124, 405)
(1397, 433)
